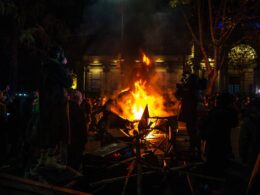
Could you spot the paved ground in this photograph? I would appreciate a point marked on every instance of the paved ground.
(162, 181)
(175, 183)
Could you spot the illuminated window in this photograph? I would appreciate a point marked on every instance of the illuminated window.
(95, 77)
(242, 56)
(203, 64)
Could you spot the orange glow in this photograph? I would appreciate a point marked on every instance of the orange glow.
(133, 103)
(124, 90)
(146, 60)
(140, 100)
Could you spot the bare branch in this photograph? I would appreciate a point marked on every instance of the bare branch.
(222, 58)
(223, 16)
(196, 40)
(211, 22)
(226, 35)
(219, 14)
(190, 28)
(200, 23)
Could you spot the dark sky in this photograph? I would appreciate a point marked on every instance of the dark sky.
(149, 25)
(87, 27)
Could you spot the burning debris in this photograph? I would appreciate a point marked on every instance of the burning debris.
(130, 103)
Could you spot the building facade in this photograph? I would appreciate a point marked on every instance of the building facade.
(105, 75)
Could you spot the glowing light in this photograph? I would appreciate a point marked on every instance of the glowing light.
(192, 51)
(124, 90)
(96, 70)
(242, 56)
(134, 102)
(74, 82)
(211, 63)
(146, 60)
(159, 60)
(115, 61)
(96, 62)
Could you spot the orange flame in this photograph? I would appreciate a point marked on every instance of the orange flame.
(133, 104)
(146, 60)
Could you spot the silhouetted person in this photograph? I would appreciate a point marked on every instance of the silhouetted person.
(219, 122)
(78, 130)
(249, 138)
(249, 144)
(188, 114)
(53, 118)
(3, 134)
(86, 106)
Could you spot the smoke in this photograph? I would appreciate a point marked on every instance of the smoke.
(101, 26)
(125, 26)
(102, 14)
(155, 36)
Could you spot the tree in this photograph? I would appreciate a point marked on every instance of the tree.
(8, 16)
(211, 23)
(30, 28)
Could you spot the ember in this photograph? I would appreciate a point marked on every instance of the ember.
(146, 60)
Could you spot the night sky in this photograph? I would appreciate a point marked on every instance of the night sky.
(152, 26)
(84, 27)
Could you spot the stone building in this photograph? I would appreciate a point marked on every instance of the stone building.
(105, 75)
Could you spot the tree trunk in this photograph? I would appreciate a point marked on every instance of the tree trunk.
(211, 82)
(214, 71)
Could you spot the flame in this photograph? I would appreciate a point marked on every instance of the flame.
(146, 60)
(141, 99)
(133, 104)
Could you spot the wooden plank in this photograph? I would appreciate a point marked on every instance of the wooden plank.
(10, 184)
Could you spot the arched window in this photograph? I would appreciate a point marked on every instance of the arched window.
(242, 56)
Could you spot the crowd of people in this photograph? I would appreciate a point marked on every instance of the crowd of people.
(55, 121)
(210, 121)
(51, 122)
